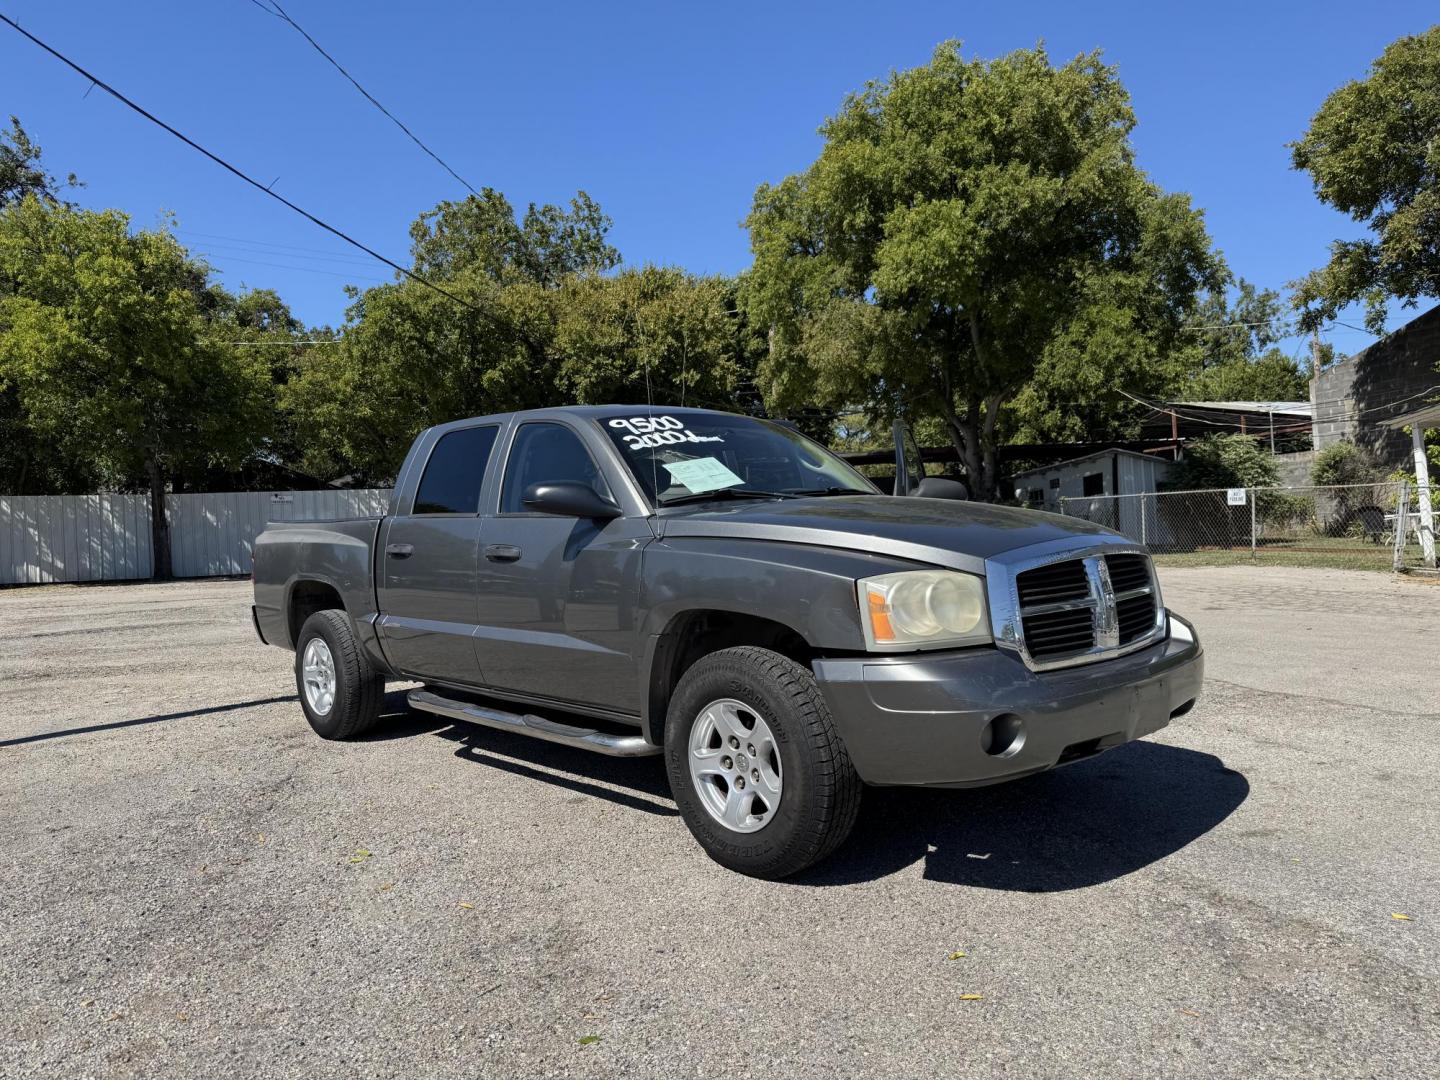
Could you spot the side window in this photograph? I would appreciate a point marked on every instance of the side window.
(1094, 484)
(543, 454)
(452, 478)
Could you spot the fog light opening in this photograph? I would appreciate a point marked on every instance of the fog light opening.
(1003, 736)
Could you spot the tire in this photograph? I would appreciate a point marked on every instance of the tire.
(358, 690)
(748, 689)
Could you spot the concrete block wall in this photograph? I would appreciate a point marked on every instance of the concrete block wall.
(1353, 396)
(1294, 469)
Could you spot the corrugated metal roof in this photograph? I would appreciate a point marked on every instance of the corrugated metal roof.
(1091, 457)
(1428, 415)
(1298, 408)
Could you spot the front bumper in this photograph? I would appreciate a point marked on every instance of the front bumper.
(926, 720)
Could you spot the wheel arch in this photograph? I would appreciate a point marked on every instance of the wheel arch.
(303, 598)
(693, 633)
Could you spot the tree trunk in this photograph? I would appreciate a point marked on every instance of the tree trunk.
(966, 439)
(159, 523)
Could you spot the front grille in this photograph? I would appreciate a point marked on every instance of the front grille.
(1065, 614)
(1054, 583)
(1128, 572)
(1057, 609)
(1060, 633)
(1134, 595)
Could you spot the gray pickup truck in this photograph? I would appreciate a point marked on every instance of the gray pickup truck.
(728, 593)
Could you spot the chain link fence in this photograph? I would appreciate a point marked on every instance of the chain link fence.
(1363, 526)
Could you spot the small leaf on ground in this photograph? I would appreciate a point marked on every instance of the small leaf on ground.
(586, 1040)
(361, 854)
(956, 955)
(972, 997)
(467, 907)
(1400, 915)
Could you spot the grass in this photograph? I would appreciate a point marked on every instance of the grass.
(1335, 553)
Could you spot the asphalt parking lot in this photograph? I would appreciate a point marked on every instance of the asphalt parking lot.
(195, 885)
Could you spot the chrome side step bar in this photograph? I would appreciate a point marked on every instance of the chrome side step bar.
(535, 726)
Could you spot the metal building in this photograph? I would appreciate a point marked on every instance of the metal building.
(1107, 472)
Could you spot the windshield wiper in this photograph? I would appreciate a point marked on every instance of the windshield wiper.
(832, 490)
(728, 493)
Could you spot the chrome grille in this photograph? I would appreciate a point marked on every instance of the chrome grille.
(1134, 595)
(1091, 605)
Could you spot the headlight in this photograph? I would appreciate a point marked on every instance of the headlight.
(923, 609)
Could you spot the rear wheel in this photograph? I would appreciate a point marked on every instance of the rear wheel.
(757, 770)
(340, 690)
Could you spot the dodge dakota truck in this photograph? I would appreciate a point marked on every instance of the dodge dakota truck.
(727, 593)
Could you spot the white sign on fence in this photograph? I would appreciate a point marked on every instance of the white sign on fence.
(1235, 496)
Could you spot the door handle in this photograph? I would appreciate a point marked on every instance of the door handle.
(502, 552)
(399, 551)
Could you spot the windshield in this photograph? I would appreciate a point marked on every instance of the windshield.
(688, 455)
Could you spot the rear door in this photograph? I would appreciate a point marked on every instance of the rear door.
(559, 595)
(427, 562)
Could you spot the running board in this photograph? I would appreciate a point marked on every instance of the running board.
(535, 726)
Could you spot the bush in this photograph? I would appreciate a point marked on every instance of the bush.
(1223, 461)
(1353, 512)
(1344, 463)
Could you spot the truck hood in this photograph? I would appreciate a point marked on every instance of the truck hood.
(961, 535)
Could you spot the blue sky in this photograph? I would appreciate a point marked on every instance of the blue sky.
(668, 114)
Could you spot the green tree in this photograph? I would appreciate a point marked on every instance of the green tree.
(409, 357)
(659, 328)
(21, 172)
(1371, 152)
(1232, 354)
(105, 341)
(966, 224)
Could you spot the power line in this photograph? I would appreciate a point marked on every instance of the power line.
(1362, 329)
(97, 81)
(280, 13)
(273, 248)
(301, 269)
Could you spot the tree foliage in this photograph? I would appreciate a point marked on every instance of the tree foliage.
(1371, 151)
(541, 323)
(968, 224)
(21, 172)
(107, 344)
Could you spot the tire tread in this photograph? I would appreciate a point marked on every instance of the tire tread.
(363, 687)
(837, 786)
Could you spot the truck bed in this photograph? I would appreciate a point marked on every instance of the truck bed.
(339, 553)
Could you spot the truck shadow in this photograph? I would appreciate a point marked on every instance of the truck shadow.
(1069, 829)
(634, 783)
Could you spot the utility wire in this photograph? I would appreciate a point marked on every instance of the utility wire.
(280, 13)
(97, 81)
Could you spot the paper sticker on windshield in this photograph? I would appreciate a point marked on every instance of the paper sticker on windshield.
(702, 474)
(645, 431)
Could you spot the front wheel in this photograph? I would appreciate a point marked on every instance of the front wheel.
(340, 690)
(756, 768)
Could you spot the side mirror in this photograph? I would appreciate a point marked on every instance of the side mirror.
(567, 498)
(937, 487)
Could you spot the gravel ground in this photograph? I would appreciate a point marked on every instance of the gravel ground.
(191, 884)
